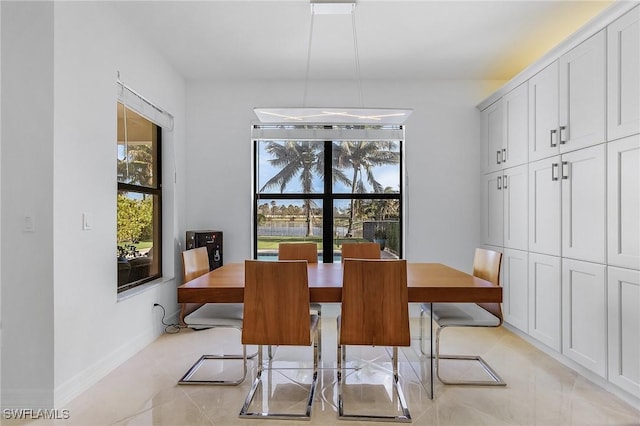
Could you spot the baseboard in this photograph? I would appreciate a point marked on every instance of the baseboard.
(632, 400)
(91, 375)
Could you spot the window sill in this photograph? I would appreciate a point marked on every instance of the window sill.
(143, 288)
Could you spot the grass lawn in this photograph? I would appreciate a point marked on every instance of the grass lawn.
(271, 243)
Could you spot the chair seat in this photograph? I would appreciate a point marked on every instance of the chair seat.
(216, 314)
(461, 314)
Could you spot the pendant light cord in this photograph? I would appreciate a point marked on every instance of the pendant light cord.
(306, 74)
(356, 54)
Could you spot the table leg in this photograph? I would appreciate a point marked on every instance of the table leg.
(431, 345)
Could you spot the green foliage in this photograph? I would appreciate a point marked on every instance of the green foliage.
(135, 218)
(137, 165)
(380, 233)
(393, 238)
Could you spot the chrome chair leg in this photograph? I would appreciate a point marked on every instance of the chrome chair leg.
(244, 411)
(186, 379)
(405, 417)
(496, 380)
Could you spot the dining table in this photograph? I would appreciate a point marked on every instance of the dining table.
(426, 283)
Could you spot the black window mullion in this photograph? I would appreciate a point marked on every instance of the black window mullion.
(327, 205)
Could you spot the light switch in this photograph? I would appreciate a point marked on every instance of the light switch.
(28, 223)
(87, 224)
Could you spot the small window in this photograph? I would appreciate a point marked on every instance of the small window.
(139, 201)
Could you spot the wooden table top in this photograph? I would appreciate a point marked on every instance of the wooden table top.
(427, 282)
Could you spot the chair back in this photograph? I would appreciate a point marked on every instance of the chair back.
(360, 251)
(276, 303)
(298, 251)
(486, 265)
(195, 262)
(375, 303)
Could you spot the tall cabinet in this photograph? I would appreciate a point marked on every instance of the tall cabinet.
(561, 199)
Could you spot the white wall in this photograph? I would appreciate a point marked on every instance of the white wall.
(442, 148)
(27, 190)
(109, 331)
(63, 325)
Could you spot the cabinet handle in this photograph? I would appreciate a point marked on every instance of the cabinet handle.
(504, 181)
(499, 182)
(565, 175)
(498, 157)
(563, 135)
(552, 138)
(504, 155)
(554, 171)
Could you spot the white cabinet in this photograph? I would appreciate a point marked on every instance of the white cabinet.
(514, 191)
(492, 209)
(515, 288)
(544, 206)
(543, 113)
(582, 103)
(491, 124)
(545, 295)
(623, 210)
(584, 204)
(566, 211)
(584, 314)
(515, 126)
(624, 325)
(623, 76)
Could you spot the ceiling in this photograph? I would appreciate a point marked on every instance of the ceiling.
(242, 39)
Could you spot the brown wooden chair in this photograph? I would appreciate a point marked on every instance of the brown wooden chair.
(360, 251)
(375, 312)
(298, 251)
(196, 263)
(308, 252)
(486, 265)
(276, 312)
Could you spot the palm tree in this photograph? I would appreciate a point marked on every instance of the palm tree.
(362, 157)
(298, 159)
(303, 159)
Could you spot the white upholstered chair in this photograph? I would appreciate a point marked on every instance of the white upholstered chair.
(486, 265)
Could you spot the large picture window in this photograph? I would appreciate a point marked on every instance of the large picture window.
(327, 191)
(139, 200)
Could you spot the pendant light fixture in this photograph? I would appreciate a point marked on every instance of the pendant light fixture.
(333, 115)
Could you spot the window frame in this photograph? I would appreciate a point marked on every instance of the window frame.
(155, 191)
(327, 196)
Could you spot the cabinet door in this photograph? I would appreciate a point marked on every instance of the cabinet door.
(516, 212)
(544, 206)
(623, 210)
(624, 323)
(584, 204)
(492, 154)
(623, 76)
(584, 314)
(544, 299)
(515, 288)
(492, 210)
(543, 113)
(583, 94)
(515, 126)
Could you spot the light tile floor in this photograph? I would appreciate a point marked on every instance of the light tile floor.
(539, 391)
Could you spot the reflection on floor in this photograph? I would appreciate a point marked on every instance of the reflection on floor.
(539, 391)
